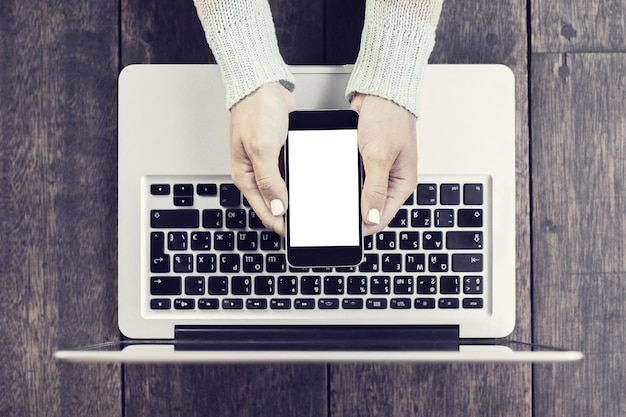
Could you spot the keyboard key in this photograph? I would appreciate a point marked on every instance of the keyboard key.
(256, 304)
(400, 219)
(276, 263)
(415, 262)
(400, 303)
(241, 285)
(208, 303)
(467, 262)
(184, 304)
(194, 285)
(424, 303)
(433, 241)
(159, 261)
(165, 286)
(236, 218)
(448, 303)
(264, 285)
(472, 303)
(409, 240)
(288, 285)
(229, 263)
(449, 284)
(232, 304)
(280, 303)
(206, 263)
(357, 284)
(270, 241)
(175, 219)
(253, 263)
(224, 240)
(392, 262)
(328, 303)
(200, 240)
(368, 242)
(212, 219)
(160, 189)
(311, 284)
(183, 201)
(206, 190)
(408, 201)
(217, 285)
(472, 194)
(438, 262)
(380, 285)
(420, 218)
(333, 284)
(470, 218)
(352, 303)
(304, 303)
(464, 240)
(472, 284)
(183, 263)
(160, 304)
(427, 285)
(183, 194)
(254, 221)
(444, 218)
(426, 194)
(385, 240)
(450, 194)
(403, 284)
(230, 196)
(376, 303)
(177, 240)
(247, 241)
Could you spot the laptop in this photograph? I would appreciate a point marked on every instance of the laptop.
(201, 280)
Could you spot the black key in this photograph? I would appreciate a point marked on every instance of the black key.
(311, 284)
(223, 240)
(415, 262)
(212, 219)
(232, 304)
(165, 286)
(256, 304)
(472, 303)
(280, 303)
(385, 240)
(408, 201)
(346, 269)
(194, 285)
(160, 304)
(183, 201)
(376, 303)
(184, 304)
(324, 270)
(217, 285)
(200, 240)
(247, 241)
(333, 284)
(304, 303)
(400, 219)
(206, 262)
(159, 261)
(467, 262)
(236, 218)
(444, 218)
(470, 218)
(427, 194)
(368, 242)
(206, 190)
(230, 196)
(183, 194)
(264, 285)
(472, 194)
(427, 285)
(241, 285)
(328, 303)
(403, 284)
(424, 303)
(208, 304)
(420, 218)
(449, 284)
(298, 270)
(175, 219)
(392, 262)
(229, 263)
(183, 263)
(380, 285)
(160, 189)
(352, 303)
(357, 284)
(253, 263)
(450, 194)
(438, 262)
(464, 240)
(409, 240)
(400, 303)
(448, 303)
(177, 240)
(288, 285)
(275, 263)
(432, 241)
(254, 221)
(472, 284)
(270, 241)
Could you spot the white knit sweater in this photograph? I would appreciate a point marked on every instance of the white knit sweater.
(398, 37)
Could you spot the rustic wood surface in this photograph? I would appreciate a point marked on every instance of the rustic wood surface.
(58, 70)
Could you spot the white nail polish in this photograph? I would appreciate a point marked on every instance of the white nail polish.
(373, 216)
(277, 207)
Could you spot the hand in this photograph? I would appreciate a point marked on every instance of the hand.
(388, 146)
(258, 130)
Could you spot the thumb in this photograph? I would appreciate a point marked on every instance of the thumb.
(374, 193)
(270, 183)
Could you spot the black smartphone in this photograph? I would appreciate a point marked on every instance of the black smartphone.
(323, 173)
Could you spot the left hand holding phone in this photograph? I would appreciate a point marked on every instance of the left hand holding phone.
(258, 129)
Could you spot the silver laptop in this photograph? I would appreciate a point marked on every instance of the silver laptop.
(201, 280)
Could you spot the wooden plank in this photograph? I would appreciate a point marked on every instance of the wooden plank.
(58, 202)
(220, 390)
(578, 26)
(579, 166)
(494, 34)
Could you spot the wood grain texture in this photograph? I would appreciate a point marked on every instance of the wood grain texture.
(495, 33)
(578, 26)
(58, 63)
(579, 201)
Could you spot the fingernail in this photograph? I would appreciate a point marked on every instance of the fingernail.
(373, 216)
(277, 207)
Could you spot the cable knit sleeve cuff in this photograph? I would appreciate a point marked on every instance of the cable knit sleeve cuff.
(398, 37)
(242, 37)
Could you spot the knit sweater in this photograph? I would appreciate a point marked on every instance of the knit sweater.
(397, 39)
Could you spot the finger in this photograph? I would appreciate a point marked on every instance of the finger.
(374, 194)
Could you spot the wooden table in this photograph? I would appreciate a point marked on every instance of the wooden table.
(58, 113)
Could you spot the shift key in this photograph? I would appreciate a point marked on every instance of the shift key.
(174, 219)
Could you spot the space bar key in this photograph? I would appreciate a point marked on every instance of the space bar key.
(174, 219)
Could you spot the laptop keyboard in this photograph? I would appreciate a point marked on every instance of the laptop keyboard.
(207, 252)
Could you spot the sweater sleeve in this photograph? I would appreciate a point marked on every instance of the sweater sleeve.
(397, 39)
(242, 37)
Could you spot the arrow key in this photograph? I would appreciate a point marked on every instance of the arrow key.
(165, 285)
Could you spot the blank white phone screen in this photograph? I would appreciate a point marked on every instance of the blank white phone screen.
(323, 188)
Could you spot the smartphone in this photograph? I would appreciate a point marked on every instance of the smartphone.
(323, 175)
